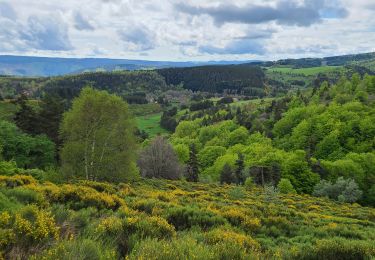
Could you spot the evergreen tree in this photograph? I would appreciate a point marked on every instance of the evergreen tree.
(240, 165)
(26, 118)
(192, 165)
(51, 110)
(226, 175)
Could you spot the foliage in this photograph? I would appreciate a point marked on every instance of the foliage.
(343, 190)
(285, 186)
(25, 150)
(192, 167)
(161, 219)
(98, 138)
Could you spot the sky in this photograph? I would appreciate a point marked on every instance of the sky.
(189, 30)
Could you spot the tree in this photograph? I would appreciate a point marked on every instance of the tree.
(27, 151)
(159, 160)
(226, 175)
(26, 118)
(99, 141)
(192, 165)
(285, 186)
(240, 166)
(52, 108)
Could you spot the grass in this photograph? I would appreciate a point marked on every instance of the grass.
(145, 109)
(306, 71)
(151, 124)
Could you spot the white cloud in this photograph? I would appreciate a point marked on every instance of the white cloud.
(204, 30)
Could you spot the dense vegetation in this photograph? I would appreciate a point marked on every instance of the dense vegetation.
(153, 219)
(245, 79)
(278, 177)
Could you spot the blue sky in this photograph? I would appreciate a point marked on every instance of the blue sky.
(187, 30)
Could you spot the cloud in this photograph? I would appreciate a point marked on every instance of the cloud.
(285, 12)
(82, 23)
(7, 11)
(240, 46)
(137, 38)
(46, 33)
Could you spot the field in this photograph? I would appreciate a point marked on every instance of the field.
(159, 219)
(151, 124)
(306, 71)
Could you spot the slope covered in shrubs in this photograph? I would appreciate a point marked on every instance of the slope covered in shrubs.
(160, 219)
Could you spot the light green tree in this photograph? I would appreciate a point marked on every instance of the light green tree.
(98, 135)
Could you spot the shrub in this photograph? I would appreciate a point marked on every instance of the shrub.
(339, 248)
(270, 194)
(343, 190)
(16, 180)
(26, 230)
(249, 184)
(187, 217)
(236, 193)
(149, 227)
(285, 186)
(78, 249)
(179, 248)
(83, 197)
(230, 237)
(24, 196)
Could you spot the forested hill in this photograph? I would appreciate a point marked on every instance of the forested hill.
(246, 79)
(326, 61)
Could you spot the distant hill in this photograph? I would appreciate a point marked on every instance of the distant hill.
(317, 62)
(245, 79)
(43, 66)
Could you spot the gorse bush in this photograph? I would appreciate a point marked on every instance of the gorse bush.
(159, 219)
(187, 217)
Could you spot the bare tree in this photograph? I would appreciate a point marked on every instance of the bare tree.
(159, 160)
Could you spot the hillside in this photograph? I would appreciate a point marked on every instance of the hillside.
(156, 219)
(217, 79)
(46, 66)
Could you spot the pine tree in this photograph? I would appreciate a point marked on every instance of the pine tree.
(226, 175)
(51, 110)
(192, 165)
(26, 118)
(240, 165)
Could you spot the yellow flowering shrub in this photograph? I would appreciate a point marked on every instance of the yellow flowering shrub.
(35, 224)
(251, 224)
(26, 228)
(149, 226)
(236, 239)
(16, 180)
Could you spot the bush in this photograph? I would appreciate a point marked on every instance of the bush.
(236, 193)
(238, 240)
(25, 230)
(179, 248)
(343, 190)
(249, 184)
(285, 186)
(24, 196)
(78, 249)
(339, 248)
(271, 194)
(187, 217)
